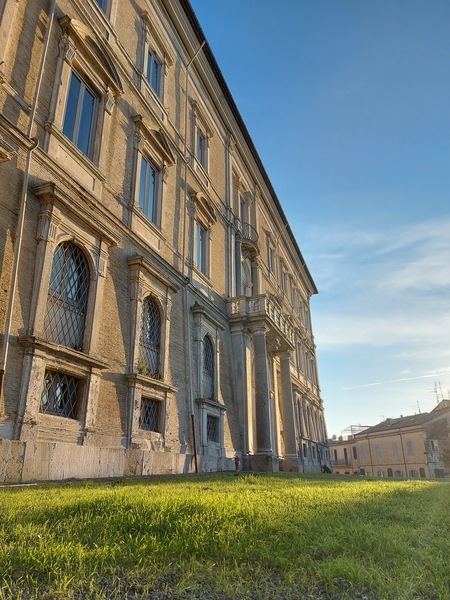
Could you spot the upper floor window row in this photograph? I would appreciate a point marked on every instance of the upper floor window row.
(153, 72)
(81, 114)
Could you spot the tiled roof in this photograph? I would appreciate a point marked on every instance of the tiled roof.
(401, 422)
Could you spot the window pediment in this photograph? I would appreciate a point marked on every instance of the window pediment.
(206, 213)
(95, 50)
(159, 37)
(50, 193)
(200, 114)
(157, 138)
(139, 263)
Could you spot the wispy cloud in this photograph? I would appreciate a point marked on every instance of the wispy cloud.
(392, 381)
(383, 287)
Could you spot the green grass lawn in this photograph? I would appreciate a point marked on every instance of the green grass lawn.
(245, 536)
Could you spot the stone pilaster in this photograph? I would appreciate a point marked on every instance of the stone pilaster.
(290, 461)
(263, 441)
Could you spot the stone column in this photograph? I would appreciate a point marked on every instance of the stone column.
(240, 375)
(263, 441)
(238, 266)
(290, 461)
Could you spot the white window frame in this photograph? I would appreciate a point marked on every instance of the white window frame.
(156, 47)
(79, 56)
(206, 326)
(203, 217)
(151, 149)
(77, 121)
(146, 280)
(201, 245)
(154, 63)
(63, 218)
(152, 213)
(202, 132)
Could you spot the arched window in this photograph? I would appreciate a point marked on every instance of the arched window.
(422, 472)
(246, 275)
(208, 368)
(150, 337)
(390, 473)
(67, 297)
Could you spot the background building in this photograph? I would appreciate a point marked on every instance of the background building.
(154, 302)
(413, 446)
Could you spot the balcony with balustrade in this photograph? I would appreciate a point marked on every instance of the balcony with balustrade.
(263, 310)
(248, 237)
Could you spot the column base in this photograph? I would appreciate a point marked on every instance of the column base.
(262, 462)
(291, 464)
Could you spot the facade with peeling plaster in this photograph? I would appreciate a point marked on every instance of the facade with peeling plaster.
(154, 303)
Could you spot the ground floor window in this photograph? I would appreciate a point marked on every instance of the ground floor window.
(149, 418)
(60, 395)
(212, 428)
(422, 472)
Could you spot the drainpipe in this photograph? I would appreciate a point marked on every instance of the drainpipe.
(186, 299)
(23, 203)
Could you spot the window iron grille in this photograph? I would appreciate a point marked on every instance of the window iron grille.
(208, 368)
(67, 297)
(149, 417)
(150, 336)
(212, 428)
(60, 395)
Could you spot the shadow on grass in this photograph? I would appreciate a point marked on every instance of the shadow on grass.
(297, 534)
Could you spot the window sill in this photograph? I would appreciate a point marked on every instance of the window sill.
(211, 404)
(68, 156)
(202, 173)
(149, 382)
(52, 428)
(64, 352)
(142, 225)
(155, 102)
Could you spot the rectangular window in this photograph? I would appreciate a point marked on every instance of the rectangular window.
(335, 455)
(201, 148)
(413, 473)
(377, 451)
(212, 428)
(271, 258)
(299, 357)
(149, 418)
(81, 115)
(153, 74)
(355, 455)
(394, 450)
(200, 247)
(148, 189)
(305, 450)
(345, 456)
(362, 451)
(409, 448)
(59, 395)
(398, 473)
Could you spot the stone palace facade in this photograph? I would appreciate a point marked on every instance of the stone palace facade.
(154, 303)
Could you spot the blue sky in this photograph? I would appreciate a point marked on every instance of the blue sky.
(348, 104)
